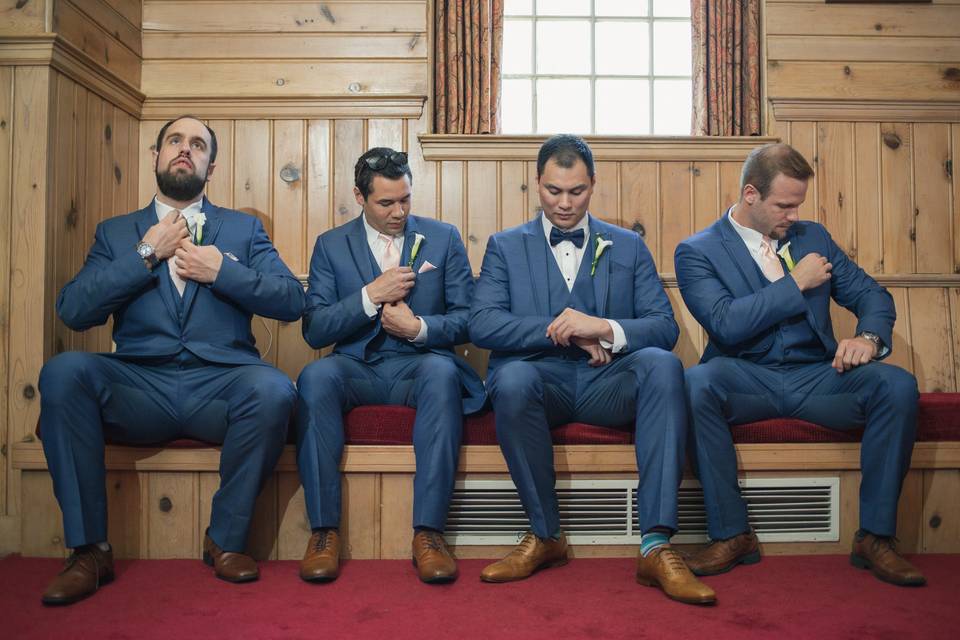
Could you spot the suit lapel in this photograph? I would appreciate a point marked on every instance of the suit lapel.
(797, 251)
(739, 253)
(535, 248)
(210, 230)
(601, 277)
(360, 249)
(409, 235)
(146, 219)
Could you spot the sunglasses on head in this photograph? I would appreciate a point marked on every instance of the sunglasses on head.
(377, 162)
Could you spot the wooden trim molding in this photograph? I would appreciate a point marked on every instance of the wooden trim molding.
(649, 148)
(50, 49)
(280, 108)
(488, 459)
(801, 109)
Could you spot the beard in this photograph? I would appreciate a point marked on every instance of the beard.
(181, 186)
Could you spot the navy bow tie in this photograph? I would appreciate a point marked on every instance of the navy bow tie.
(557, 236)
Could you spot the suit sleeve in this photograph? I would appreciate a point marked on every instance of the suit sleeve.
(104, 284)
(450, 328)
(652, 324)
(727, 319)
(492, 325)
(327, 318)
(266, 287)
(856, 291)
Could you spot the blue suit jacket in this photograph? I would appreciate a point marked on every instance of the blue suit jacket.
(216, 317)
(342, 265)
(724, 291)
(511, 308)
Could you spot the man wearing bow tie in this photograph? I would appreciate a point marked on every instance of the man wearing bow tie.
(760, 281)
(580, 330)
(182, 279)
(392, 292)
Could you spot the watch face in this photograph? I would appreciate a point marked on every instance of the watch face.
(144, 250)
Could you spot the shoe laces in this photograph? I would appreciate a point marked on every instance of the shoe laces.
(673, 560)
(76, 556)
(323, 540)
(885, 544)
(432, 540)
(527, 543)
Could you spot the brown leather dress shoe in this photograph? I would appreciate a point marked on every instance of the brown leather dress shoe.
(229, 565)
(321, 562)
(722, 555)
(879, 555)
(664, 568)
(85, 571)
(531, 555)
(433, 560)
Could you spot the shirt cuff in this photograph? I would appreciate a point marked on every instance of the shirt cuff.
(368, 307)
(619, 338)
(421, 337)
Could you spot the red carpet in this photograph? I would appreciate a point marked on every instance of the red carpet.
(782, 597)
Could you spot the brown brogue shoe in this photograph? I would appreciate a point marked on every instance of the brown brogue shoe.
(531, 555)
(433, 560)
(229, 565)
(722, 555)
(85, 571)
(879, 555)
(663, 567)
(321, 562)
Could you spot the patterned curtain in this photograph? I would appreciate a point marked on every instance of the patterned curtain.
(726, 67)
(469, 38)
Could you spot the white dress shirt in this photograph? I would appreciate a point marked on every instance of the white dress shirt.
(376, 248)
(568, 258)
(189, 212)
(751, 237)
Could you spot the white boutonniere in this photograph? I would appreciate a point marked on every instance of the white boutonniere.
(601, 247)
(417, 239)
(195, 226)
(784, 252)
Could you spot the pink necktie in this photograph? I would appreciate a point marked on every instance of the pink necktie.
(769, 262)
(177, 280)
(391, 257)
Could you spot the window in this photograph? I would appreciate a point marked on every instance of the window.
(596, 67)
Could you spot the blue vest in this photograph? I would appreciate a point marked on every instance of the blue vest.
(581, 297)
(384, 344)
(794, 340)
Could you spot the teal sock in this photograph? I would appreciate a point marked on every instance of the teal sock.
(652, 541)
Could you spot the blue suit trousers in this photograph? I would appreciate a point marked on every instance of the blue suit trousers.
(728, 391)
(644, 388)
(86, 398)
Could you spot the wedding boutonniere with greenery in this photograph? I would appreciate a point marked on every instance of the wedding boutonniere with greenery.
(417, 239)
(601, 247)
(784, 252)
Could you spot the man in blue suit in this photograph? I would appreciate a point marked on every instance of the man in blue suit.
(392, 291)
(760, 282)
(581, 329)
(182, 279)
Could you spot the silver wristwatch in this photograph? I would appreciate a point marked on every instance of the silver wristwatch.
(872, 337)
(148, 254)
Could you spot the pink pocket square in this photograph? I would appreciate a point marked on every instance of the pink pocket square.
(425, 267)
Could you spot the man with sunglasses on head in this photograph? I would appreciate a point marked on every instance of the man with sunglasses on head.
(392, 292)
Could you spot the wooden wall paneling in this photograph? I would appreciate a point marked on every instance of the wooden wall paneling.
(426, 182)
(293, 352)
(953, 296)
(319, 172)
(844, 322)
(803, 138)
(932, 215)
(108, 20)
(869, 231)
(348, 145)
(96, 30)
(262, 539)
(123, 513)
(676, 205)
(396, 515)
(605, 202)
(93, 211)
(289, 176)
(482, 212)
(896, 176)
(955, 195)
(30, 282)
(269, 46)
(131, 10)
(837, 195)
(385, 132)
(42, 523)
(293, 527)
(533, 191)
(931, 337)
(640, 202)
(707, 206)
(870, 48)
(863, 80)
(23, 18)
(147, 184)
(778, 128)
(361, 526)
(6, 217)
(941, 511)
(172, 509)
(851, 20)
(208, 483)
(61, 104)
(298, 17)
(730, 185)
(690, 344)
(910, 513)
(514, 192)
(453, 194)
(221, 187)
(902, 351)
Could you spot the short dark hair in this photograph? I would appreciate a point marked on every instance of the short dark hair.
(363, 174)
(565, 150)
(767, 162)
(213, 136)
